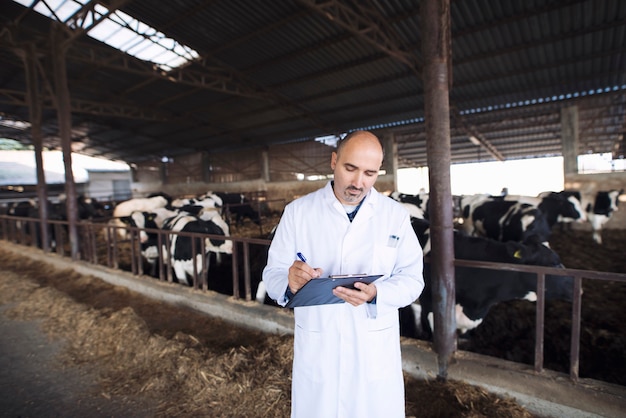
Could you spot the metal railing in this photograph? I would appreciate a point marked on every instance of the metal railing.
(94, 235)
(101, 244)
(541, 273)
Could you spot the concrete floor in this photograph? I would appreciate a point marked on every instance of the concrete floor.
(34, 384)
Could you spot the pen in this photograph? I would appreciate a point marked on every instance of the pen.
(301, 257)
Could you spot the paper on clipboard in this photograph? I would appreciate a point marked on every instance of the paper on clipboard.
(320, 291)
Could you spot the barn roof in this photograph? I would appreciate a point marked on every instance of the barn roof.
(282, 71)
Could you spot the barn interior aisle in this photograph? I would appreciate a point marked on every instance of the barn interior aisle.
(34, 383)
(176, 361)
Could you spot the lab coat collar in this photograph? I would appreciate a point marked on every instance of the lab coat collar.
(367, 208)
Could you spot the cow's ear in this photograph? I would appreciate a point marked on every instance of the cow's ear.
(515, 250)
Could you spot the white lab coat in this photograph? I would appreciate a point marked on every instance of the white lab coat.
(347, 359)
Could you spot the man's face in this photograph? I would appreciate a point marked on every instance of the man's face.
(356, 168)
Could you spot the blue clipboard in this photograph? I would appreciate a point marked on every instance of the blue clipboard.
(320, 291)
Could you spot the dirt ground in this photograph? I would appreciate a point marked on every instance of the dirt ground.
(182, 363)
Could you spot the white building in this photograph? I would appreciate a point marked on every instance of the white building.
(94, 177)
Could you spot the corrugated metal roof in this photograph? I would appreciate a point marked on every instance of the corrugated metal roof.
(287, 70)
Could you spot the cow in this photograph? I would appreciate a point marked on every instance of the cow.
(237, 204)
(598, 207)
(477, 289)
(414, 211)
(553, 208)
(417, 205)
(125, 208)
(23, 209)
(506, 221)
(205, 200)
(181, 249)
(604, 205)
(148, 222)
(30, 209)
(87, 209)
(148, 239)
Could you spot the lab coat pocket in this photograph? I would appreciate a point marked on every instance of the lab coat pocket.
(308, 350)
(383, 349)
(384, 259)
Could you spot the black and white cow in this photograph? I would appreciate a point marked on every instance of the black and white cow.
(417, 205)
(604, 205)
(147, 222)
(139, 204)
(561, 209)
(598, 207)
(477, 290)
(181, 249)
(208, 200)
(505, 220)
(553, 208)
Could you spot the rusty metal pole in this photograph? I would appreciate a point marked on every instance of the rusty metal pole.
(436, 49)
(34, 108)
(65, 131)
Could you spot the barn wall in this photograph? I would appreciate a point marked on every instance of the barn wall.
(101, 186)
(294, 170)
(310, 158)
(183, 169)
(243, 172)
(590, 183)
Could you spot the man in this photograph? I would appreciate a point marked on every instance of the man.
(347, 356)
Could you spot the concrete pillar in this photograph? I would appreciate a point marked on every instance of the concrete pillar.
(206, 167)
(569, 139)
(390, 162)
(265, 166)
(163, 172)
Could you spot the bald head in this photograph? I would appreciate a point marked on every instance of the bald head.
(355, 166)
(364, 138)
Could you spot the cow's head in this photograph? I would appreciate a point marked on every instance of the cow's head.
(534, 252)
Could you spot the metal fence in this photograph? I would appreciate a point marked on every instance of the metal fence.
(101, 244)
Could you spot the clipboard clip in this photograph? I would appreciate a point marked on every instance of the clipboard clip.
(346, 276)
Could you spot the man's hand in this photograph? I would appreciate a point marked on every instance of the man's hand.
(300, 273)
(366, 293)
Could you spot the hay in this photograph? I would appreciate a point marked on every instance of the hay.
(185, 363)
